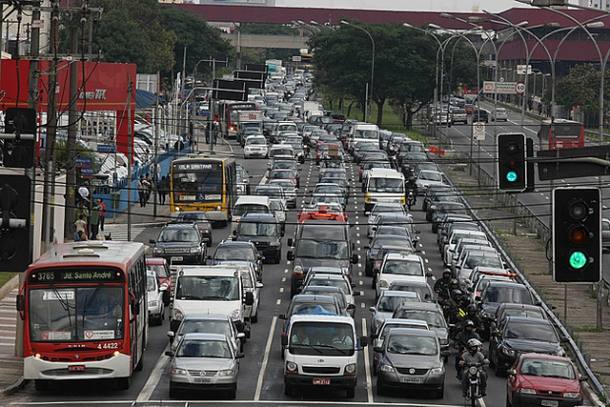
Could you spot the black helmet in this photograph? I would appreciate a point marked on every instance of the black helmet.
(472, 308)
(446, 273)
(457, 293)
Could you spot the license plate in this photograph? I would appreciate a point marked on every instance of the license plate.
(201, 380)
(76, 368)
(413, 380)
(177, 258)
(321, 380)
(549, 403)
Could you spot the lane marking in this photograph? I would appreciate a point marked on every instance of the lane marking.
(278, 302)
(362, 305)
(367, 368)
(281, 289)
(154, 378)
(283, 279)
(261, 373)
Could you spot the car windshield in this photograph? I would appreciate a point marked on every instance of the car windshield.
(237, 253)
(422, 290)
(208, 288)
(403, 268)
(390, 303)
(257, 229)
(330, 282)
(377, 209)
(284, 165)
(76, 314)
(195, 348)
(392, 230)
(520, 312)
(210, 326)
(548, 368)
(240, 210)
(433, 318)
(256, 140)
(323, 249)
(480, 259)
(151, 283)
(382, 242)
(501, 294)
(377, 164)
(178, 235)
(322, 338)
(158, 269)
(366, 134)
(412, 345)
(430, 176)
(533, 332)
(393, 185)
(271, 192)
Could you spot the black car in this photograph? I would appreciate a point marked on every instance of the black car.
(434, 191)
(439, 209)
(497, 293)
(521, 335)
(378, 248)
(480, 115)
(229, 251)
(180, 243)
(263, 230)
(200, 220)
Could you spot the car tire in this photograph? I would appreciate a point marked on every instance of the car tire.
(380, 387)
(440, 392)
(289, 390)
(350, 392)
(173, 393)
(278, 258)
(508, 403)
(254, 318)
(232, 394)
(123, 383)
(41, 385)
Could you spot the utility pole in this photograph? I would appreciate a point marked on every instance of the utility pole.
(156, 124)
(48, 197)
(129, 159)
(73, 119)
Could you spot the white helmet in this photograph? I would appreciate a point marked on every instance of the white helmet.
(474, 342)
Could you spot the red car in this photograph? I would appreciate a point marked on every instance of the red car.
(543, 380)
(160, 266)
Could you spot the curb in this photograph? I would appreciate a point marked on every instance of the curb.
(12, 388)
(591, 395)
(9, 286)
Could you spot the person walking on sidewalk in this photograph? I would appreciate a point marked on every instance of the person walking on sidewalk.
(102, 205)
(149, 186)
(95, 221)
(142, 191)
(162, 189)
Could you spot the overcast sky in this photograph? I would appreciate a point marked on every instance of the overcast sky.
(413, 5)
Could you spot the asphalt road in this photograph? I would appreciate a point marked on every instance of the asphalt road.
(260, 379)
(539, 201)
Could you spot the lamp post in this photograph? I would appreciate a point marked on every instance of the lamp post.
(370, 87)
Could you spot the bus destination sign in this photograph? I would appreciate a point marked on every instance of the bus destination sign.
(74, 276)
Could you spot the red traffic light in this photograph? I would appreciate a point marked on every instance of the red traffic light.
(578, 234)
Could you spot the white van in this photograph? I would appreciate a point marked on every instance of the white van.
(210, 290)
(250, 204)
(321, 351)
(383, 185)
(363, 133)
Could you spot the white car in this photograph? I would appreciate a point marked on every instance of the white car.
(256, 146)
(428, 178)
(156, 307)
(499, 114)
(399, 267)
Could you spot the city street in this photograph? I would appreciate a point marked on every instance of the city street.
(261, 371)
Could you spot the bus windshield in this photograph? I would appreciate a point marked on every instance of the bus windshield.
(194, 182)
(74, 314)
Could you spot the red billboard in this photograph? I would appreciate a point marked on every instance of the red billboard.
(102, 86)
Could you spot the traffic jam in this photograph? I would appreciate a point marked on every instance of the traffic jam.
(323, 259)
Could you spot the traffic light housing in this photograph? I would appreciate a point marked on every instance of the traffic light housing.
(577, 241)
(18, 151)
(15, 244)
(512, 164)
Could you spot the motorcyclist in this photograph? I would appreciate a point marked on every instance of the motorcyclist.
(411, 186)
(474, 357)
(442, 285)
(467, 333)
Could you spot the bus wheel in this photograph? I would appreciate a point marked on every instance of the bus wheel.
(41, 385)
(123, 383)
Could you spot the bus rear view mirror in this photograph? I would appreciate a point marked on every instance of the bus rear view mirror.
(20, 303)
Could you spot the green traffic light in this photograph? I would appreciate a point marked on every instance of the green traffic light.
(578, 260)
(511, 176)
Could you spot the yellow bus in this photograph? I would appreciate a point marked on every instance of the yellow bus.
(201, 183)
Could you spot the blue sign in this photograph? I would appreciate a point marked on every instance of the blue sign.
(106, 148)
(83, 162)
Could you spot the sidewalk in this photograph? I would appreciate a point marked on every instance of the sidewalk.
(11, 366)
(528, 252)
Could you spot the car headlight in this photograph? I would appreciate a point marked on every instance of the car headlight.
(436, 370)
(178, 315)
(350, 369)
(387, 368)
(236, 314)
(178, 372)
(383, 284)
(158, 250)
(297, 270)
(291, 367)
(153, 303)
(527, 391)
(226, 372)
(275, 244)
(195, 250)
(571, 395)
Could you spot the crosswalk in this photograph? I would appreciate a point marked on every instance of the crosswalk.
(11, 366)
(118, 231)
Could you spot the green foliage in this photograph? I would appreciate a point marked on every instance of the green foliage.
(580, 87)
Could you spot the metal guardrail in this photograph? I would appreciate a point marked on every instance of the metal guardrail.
(534, 223)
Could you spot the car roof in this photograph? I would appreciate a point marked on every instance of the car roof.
(427, 306)
(181, 225)
(396, 293)
(405, 321)
(219, 270)
(322, 318)
(258, 217)
(325, 269)
(313, 298)
(385, 173)
(412, 332)
(511, 305)
(328, 276)
(527, 320)
(205, 336)
(505, 284)
(201, 317)
(235, 243)
(252, 199)
(154, 261)
(402, 256)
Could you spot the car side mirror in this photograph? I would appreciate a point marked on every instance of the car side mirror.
(512, 372)
(354, 259)
(171, 334)
(152, 241)
(290, 242)
(357, 293)
(364, 341)
(249, 298)
(290, 256)
(241, 336)
(282, 317)
(20, 303)
(234, 233)
(259, 285)
(477, 298)
(169, 353)
(372, 309)
(135, 308)
(240, 355)
(378, 349)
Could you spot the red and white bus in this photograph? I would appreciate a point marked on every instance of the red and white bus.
(84, 310)
(562, 133)
(229, 116)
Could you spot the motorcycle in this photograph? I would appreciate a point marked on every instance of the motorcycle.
(473, 391)
(410, 199)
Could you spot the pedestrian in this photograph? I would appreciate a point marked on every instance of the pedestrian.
(94, 220)
(83, 211)
(102, 205)
(162, 189)
(149, 187)
(142, 191)
(81, 229)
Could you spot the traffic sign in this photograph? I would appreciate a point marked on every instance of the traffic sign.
(520, 88)
(502, 88)
(478, 131)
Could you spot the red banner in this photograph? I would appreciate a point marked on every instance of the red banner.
(104, 88)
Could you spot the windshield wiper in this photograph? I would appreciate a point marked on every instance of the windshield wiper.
(333, 347)
(304, 345)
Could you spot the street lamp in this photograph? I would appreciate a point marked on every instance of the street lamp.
(370, 90)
